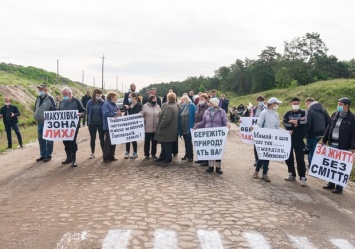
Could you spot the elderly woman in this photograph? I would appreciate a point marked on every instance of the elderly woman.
(109, 109)
(268, 118)
(95, 120)
(134, 106)
(150, 113)
(167, 127)
(214, 117)
(186, 121)
(202, 106)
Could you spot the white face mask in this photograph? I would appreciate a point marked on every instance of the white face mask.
(275, 107)
(7, 103)
(295, 107)
(201, 102)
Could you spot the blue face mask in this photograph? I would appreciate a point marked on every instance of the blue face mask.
(129, 100)
(41, 93)
(340, 108)
(211, 108)
(261, 104)
(65, 98)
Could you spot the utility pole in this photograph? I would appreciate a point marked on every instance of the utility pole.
(103, 58)
(82, 82)
(57, 70)
(117, 83)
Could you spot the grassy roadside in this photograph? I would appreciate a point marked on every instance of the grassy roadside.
(29, 134)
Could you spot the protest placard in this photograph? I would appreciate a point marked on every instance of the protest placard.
(331, 164)
(245, 124)
(272, 144)
(60, 125)
(209, 142)
(126, 129)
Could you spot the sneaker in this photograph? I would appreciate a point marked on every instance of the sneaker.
(256, 175)
(92, 156)
(266, 178)
(303, 182)
(209, 169)
(290, 178)
(126, 155)
(134, 155)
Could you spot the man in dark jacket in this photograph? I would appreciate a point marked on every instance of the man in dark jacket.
(295, 121)
(153, 91)
(9, 113)
(317, 121)
(340, 133)
(224, 102)
(84, 100)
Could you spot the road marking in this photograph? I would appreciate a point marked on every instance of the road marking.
(256, 241)
(116, 239)
(165, 239)
(209, 239)
(342, 243)
(71, 240)
(301, 242)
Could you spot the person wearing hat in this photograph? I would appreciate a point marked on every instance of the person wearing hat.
(44, 102)
(9, 113)
(340, 134)
(213, 117)
(295, 121)
(268, 118)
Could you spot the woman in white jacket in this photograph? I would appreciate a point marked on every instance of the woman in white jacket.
(268, 118)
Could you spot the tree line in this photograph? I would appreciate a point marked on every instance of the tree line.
(303, 61)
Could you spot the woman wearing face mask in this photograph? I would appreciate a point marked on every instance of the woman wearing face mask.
(133, 107)
(185, 123)
(295, 121)
(268, 118)
(260, 106)
(213, 117)
(150, 111)
(202, 106)
(95, 120)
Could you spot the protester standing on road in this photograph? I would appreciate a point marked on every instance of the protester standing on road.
(84, 100)
(153, 91)
(295, 121)
(150, 112)
(260, 106)
(340, 133)
(146, 96)
(202, 107)
(317, 121)
(191, 96)
(186, 121)
(44, 102)
(268, 118)
(71, 103)
(132, 89)
(165, 97)
(9, 113)
(166, 132)
(109, 109)
(213, 117)
(95, 120)
(134, 107)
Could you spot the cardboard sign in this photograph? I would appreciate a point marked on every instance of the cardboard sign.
(60, 125)
(246, 123)
(331, 164)
(126, 129)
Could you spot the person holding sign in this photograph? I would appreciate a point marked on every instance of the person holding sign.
(260, 106)
(213, 117)
(71, 103)
(186, 121)
(340, 134)
(150, 112)
(202, 106)
(95, 120)
(109, 110)
(167, 128)
(268, 118)
(133, 107)
(295, 121)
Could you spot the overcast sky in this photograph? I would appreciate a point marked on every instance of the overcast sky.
(153, 41)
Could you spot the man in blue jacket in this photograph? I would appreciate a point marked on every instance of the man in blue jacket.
(9, 113)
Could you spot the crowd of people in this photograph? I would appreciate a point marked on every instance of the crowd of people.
(168, 119)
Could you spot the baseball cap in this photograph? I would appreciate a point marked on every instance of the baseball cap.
(274, 100)
(42, 86)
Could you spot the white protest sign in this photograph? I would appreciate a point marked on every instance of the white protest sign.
(209, 142)
(126, 129)
(246, 123)
(60, 125)
(332, 165)
(272, 144)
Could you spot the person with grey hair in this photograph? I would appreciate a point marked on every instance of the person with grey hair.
(186, 121)
(69, 102)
